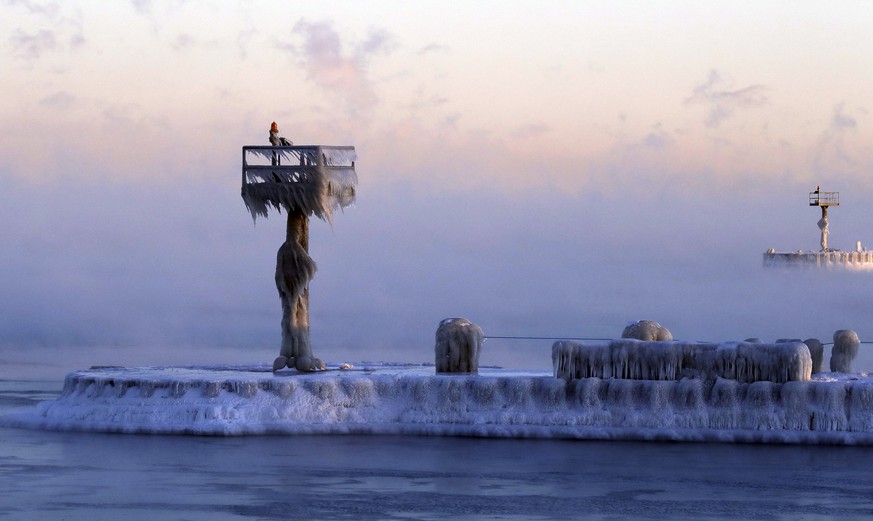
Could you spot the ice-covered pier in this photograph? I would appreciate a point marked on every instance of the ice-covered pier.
(826, 257)
(828, 408)
(819, 259)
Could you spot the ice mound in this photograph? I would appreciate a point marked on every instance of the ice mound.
(646, 330)
(639, 360)
(384, 399)
(458, 345)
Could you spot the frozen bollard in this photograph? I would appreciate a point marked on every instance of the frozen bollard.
(816, 351)
(458, 343)
(647, 330)
(846, 345)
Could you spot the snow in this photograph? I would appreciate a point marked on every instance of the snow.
(831, 408)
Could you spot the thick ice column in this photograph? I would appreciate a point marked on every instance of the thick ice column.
(294, 269)
(823, 226)
(458, 343)
(846, 345)
(647, 330)
(323, 181)
(816, 351)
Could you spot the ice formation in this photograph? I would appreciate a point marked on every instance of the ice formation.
(845, 349)
(314, 180)
(646, 330)
(816, 352)
(294, 269)
(823, 226)
(638, 360)
(379, 399)
(820, 259)
(458, 344)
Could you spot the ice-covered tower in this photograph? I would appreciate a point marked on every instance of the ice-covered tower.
(824, 200)
(303, 181)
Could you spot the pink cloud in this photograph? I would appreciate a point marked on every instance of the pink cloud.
(343, 75)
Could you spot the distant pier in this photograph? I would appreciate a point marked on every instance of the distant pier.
(826, 257)
(820, 259)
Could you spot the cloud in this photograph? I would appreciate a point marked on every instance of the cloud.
(244, 39)
(724, 102)
(833, 151)
(342, 75)
(183, 42)
(50, 31)
(657, 139)
(379, 41)
(30, 46)
(61, 100)
(425, 102)
(531, 131)
(433, 48)
(142, 6)
(841, 121)
(48, 9)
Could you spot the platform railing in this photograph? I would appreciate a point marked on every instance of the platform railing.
(824, 198)
(269, 164)
(314, 179)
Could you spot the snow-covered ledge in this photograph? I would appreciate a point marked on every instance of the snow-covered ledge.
(832, 408)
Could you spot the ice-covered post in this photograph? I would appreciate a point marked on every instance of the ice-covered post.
(846, 344)
(294, 269)
(458, 344)
(824, 200)
(823, 226)
(816, 352)
(314, 180)
(647, 330)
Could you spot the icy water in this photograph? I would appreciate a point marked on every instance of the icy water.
(53, 475)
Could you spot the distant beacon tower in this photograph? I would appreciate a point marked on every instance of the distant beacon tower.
(303, 181)
(824, 200)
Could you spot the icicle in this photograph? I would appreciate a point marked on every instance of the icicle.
(314, 180)
(639, 360)
(835, 409)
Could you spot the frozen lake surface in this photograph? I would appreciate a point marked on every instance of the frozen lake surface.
(58, 475)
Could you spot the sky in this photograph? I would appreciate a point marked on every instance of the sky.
(550, 171)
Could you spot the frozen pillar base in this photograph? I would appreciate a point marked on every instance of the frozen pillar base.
(458, 343)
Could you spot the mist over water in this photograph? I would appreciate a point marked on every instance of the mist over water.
(182, 269)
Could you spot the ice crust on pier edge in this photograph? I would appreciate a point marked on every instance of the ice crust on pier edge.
(832, 408)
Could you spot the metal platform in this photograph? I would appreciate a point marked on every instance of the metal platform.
(314, 179)
(824, 198)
